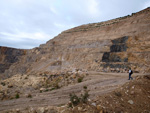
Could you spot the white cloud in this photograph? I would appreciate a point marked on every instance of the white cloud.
(22, 35)
(147, 4)
(93, 7)
(28, 23)
(54, 10)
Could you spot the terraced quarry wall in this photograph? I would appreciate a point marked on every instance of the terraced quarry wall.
(111, 46)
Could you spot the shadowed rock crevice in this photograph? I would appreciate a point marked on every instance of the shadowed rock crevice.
(112, 57)
(119, 45)
(8, 56)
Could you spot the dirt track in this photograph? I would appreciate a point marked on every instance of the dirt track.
(97, 83)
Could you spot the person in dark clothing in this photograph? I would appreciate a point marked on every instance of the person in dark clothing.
(130, 73)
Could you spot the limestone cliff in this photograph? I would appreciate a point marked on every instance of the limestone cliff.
(114, 45)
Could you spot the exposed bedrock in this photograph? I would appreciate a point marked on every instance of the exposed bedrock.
(9, 56)
(114, 45)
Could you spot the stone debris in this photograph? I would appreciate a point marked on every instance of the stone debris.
(133, 87)
(130, 102)
(93, 104)
(132, 92)
(79, 108)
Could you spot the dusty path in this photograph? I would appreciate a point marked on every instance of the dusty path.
(97, 83)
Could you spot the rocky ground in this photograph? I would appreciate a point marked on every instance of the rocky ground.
(106, 93)
(133, 96)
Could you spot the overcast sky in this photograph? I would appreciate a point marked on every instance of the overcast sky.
(28, 23)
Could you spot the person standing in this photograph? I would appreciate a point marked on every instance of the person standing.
(130, 73)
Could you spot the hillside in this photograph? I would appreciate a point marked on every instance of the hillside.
(95, 57)
(110, 46)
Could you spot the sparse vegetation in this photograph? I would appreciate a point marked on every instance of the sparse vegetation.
(46, 90)
(17, 96)
(52, 89)
(85, 97)
(75, 100)
(3, 83)
(80, 79)
(85, 87)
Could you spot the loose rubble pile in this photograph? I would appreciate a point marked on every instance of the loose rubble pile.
(25, 85)
(19, 85)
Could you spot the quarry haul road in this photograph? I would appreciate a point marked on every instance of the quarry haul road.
(97, 83)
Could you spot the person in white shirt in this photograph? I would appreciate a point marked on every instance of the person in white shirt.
(130, 73)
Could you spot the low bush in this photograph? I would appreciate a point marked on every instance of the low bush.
(84, 97)
(75, 100)
(85, 87)
(52, 89)
(46, 90)
(3, 83)
(17, 96)
(80, 79)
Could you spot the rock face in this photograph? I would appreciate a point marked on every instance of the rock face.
(9, 56)
(114, 45)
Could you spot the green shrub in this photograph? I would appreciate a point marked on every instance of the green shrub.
(46, 90)
(3, 83)
(75, 100)
(17, 96)
(52, 89)
(80, 79)
(84, 97)
(85, 87)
